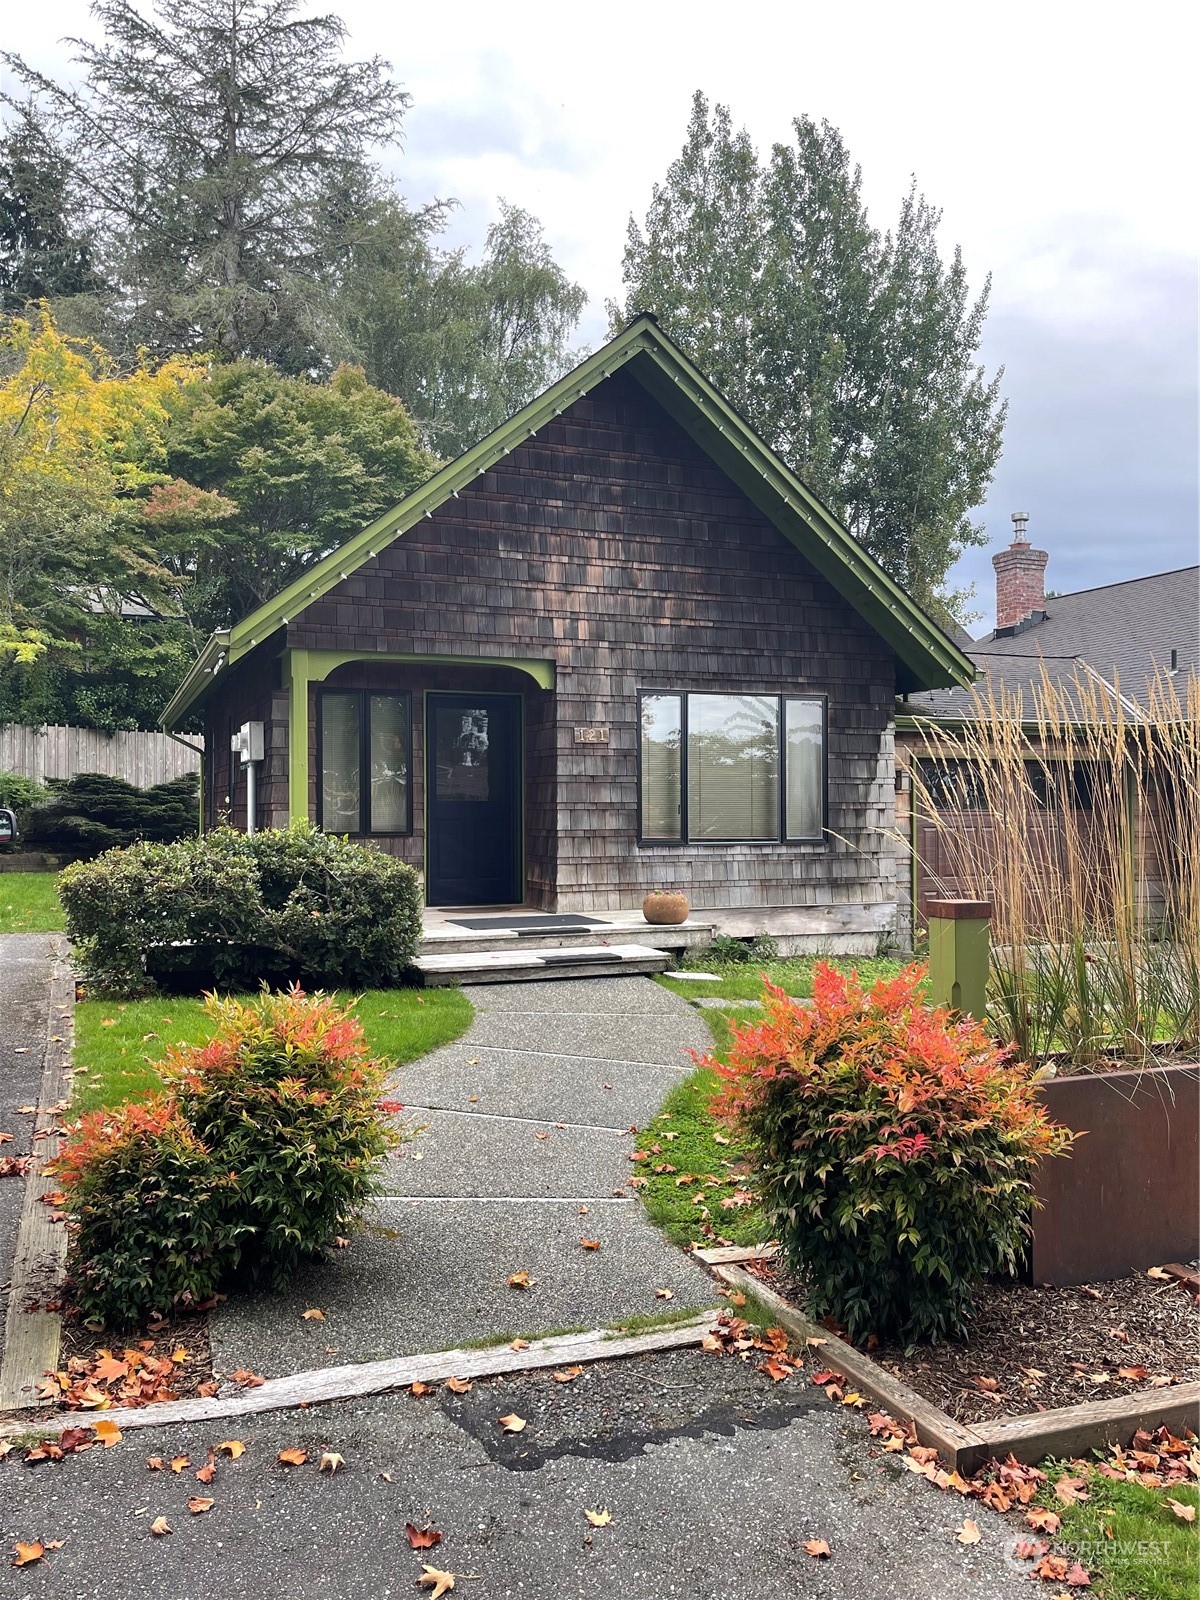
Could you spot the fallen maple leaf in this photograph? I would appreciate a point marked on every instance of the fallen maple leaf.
(159, 1526)
(155, 1463)
(1043, 1519)
(969, 1532)
(1158, 1274)
(519, 1344)
(418, 1388)
(1070, 1491)
(247, 1379)
(988, 1385)
(567, 1375)
(590, 1244)
(512, 1423)
(199, 1504)
(776, 1370)
(232, 1448)
(179, 1462)
(521, 1280)
(208, 1471)
(436, 1580)
(1078, 1577)
(107, 1432)
(817, 1548)
(664, 1294)
(331, 1461)
(459, 1385)
(1134, 1374)
(599, 1519)
(25, 1554)
(1184, 1512)
(313, 1315)
(422, 1538)
(293, 1458)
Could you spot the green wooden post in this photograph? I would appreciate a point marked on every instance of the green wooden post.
(296, 673)
(958, 954)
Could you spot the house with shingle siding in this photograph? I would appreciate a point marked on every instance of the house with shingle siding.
(616, 646)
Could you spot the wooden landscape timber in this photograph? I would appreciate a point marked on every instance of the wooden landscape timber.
(1066, 1431)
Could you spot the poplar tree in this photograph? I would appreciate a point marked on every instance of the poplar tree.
(854, 352)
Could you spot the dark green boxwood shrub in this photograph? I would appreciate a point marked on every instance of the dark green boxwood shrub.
(897, 1148)
(287, 1095)
(148, 1207)
(93, 812)
(291, 901)
(126, 903)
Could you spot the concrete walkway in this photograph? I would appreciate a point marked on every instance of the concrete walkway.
(520, 1152)
(714, 1478)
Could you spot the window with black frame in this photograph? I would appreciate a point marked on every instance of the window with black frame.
(365, 754)
(732, 768)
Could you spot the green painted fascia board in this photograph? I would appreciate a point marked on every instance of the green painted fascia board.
(926, 657)
(932, 657)
(199, 678)
(445, 484)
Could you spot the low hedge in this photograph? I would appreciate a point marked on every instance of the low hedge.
(285, 902)
(93, 812)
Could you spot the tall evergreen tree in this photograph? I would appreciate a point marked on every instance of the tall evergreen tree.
(463, 344)
(205, 145)
(41, 256)
(853, 352)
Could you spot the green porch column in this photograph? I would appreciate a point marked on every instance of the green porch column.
(958, 954)
(296, 677)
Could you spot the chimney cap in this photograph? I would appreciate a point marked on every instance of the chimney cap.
(1020, 522)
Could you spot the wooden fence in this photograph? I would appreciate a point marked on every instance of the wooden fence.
(57, 752)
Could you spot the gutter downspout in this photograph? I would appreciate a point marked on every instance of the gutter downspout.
(199, 749)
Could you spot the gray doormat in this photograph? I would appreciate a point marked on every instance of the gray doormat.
(521, 925)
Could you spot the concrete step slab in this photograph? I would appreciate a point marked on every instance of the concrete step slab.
(474, 1080)
(433, 1275)
(487, 1156)
(522, 966)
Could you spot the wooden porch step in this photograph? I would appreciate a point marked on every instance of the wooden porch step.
(533, 966)
(443, 938)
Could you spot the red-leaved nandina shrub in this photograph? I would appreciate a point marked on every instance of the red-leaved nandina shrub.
(897, 1146)
(286, 1095)
(147, 1208)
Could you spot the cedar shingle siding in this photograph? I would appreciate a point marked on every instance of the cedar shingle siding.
(612, 545)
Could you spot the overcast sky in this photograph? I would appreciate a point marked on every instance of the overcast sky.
(1060, 144)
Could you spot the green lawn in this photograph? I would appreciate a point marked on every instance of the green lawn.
(688, 1138)
(29, 903)
(742, 980)
(1133, 1544)
(116, 1045)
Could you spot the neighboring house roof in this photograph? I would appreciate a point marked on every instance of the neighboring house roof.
(925, 656)
(1120, 635)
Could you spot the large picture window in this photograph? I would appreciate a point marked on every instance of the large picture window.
(365, 757)
(725, 768)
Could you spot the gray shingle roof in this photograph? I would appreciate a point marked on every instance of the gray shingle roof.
(1122, 632)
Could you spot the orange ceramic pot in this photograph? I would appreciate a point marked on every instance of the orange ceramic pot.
(666, 907)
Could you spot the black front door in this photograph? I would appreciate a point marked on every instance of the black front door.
(473, 799)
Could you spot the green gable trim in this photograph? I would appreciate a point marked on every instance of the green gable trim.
(926, 657)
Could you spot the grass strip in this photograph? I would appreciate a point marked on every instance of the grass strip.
(117, 1045)
(687, 1141)
(1126, 1535)
(29, 903)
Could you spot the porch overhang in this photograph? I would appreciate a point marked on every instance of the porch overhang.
(303, 667)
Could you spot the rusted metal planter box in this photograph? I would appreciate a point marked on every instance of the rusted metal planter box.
(1128, 1195)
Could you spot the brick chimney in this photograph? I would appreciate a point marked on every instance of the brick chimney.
(1020, 579)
